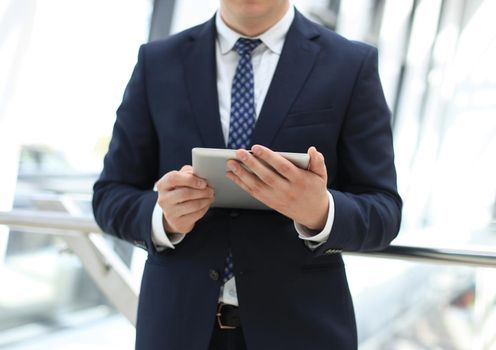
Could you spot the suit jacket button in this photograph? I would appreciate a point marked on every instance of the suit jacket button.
(214, 275)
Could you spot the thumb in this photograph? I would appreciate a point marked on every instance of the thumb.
(317, 164)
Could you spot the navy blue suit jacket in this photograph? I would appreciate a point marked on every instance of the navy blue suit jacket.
(325, 92)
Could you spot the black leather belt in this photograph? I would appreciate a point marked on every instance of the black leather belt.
(228, 316)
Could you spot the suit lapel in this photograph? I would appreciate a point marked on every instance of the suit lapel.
(296, 61)
(201, 81)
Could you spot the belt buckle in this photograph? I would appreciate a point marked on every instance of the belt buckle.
(219, 318)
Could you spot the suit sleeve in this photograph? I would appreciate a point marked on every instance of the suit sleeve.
(367, 204)
(123, 196)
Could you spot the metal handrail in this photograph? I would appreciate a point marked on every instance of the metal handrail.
(99, 260)
(434, 255)
(35, 220)
(60, 221)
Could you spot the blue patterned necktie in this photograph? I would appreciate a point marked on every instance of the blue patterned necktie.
(242, 111)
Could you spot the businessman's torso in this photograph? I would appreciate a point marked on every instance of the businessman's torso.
(282, 287)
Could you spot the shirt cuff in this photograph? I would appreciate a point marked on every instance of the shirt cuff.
(313, 238)
(160, 238)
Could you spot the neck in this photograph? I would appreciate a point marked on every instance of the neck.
(252, 26)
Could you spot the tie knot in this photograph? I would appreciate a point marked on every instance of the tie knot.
(245, 46)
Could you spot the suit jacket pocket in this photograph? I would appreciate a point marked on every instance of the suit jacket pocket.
(322, 116)
(323, 263)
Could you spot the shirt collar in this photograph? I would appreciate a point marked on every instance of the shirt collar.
(273, 38)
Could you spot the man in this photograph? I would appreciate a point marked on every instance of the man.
(258, 75)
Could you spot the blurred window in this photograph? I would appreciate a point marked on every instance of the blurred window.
(65, 65)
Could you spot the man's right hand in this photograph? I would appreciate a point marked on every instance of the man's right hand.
(184, 199)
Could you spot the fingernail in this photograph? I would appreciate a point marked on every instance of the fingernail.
(201, 183)
(256, 151)
(232, 167)
(242, 156)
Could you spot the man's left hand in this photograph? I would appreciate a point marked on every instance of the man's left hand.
(296, 193)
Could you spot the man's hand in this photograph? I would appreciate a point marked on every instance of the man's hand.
(184, 199)
(296, 193)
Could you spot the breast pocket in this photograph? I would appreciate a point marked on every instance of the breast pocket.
(322, 116)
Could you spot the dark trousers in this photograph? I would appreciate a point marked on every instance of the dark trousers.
(227, 339)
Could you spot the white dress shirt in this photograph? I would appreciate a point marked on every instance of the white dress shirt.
(264, 60)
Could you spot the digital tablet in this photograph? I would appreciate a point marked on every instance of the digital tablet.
(211, 164)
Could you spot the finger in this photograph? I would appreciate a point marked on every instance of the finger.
(317, 163)
(197, 215)
(175, 179)
(190, 207)
(187, 169)
(237, 181)
(191, 218)
(184, 194)
(261, 169)
(246, 180)
(283, 166)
